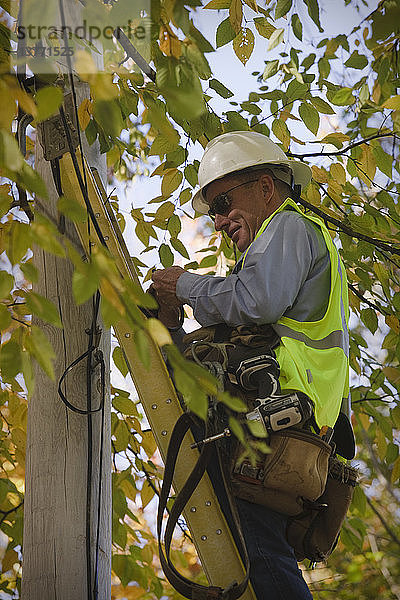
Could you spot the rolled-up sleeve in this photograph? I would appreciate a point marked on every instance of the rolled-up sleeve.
(276, 266)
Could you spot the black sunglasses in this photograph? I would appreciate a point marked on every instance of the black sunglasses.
(221, 204)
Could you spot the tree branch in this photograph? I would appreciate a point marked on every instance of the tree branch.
(363, 299)
(5, 513)
(343, 150)
(384, 522)
(348, 230)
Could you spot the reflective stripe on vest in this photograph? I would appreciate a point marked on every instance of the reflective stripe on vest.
(314, 355)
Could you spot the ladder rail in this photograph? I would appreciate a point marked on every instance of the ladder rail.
(210, 532)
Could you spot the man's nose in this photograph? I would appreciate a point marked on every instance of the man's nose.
(220, 222)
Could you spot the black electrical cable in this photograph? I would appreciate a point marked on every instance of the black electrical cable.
(91, 593)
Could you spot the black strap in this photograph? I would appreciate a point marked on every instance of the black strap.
(184, 586)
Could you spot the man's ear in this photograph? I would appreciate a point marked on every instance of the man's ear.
(267, 186)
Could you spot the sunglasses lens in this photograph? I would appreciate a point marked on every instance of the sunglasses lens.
(220, 205)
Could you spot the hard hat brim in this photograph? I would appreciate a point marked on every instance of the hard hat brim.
(301, 176)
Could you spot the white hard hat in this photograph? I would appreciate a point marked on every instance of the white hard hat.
(238, 150)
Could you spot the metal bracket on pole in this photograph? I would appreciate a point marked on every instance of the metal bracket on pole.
(52, 132)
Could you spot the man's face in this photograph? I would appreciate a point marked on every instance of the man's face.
(246, 207)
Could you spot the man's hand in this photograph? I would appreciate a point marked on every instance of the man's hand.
(164, 290)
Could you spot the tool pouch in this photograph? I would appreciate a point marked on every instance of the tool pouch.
(287, 479)
(314, 533)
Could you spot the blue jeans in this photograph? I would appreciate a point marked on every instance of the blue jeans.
(274, 572)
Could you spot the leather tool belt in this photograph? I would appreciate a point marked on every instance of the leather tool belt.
(300, 477)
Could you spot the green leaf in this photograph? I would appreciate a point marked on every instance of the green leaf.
(48, 100)
(236, 428)
(243, 44)
(322, 106)
(44, 308)
(310, 117)
(166, 256)
(369, 318)
(384, 161)
(313, 11)
(30, 272)
(166, 210)
(174, 225)
(31, 181)
(190, 172)
(119, 361)
(271, 69)
(108, 114)
(392, 103)
(179, 247)
(356, 61)
(162, 145)
(343, 97)
(124, 567)
(235, 122)
(275, 39)
(40, 348)
(264, 27)
(185, 194)
(72, 209)
(282, 8)
(6, 284)
(359, 500)
(281, 131)
(395, 471)
(10, 360)
(232, 402)
(85, 283)
(10, 156)
(297, 27)
(5, 317)
(45, 237)
(124, 405)
(257, 429)
(225, 33)
(220, 88)
(171, 181)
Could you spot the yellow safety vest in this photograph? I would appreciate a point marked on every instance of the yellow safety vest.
(314, 355)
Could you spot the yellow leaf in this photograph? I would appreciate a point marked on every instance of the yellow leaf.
(366, 165)
(146, 494)
(313, 194)
(364, 420)
(84, 64)
(393, 103)
(218, 4)
(381, 443)
(112, 296)
(281, 131)
(319, 174)
(392, 374)
(252, 4)
(393, 323)
(338, 173)
(396, 470)
(10, 558)
(148, 443)
(84, 113)
(158, 332)
(236, 16)
(376, 92)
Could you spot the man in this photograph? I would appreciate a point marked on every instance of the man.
(289, 276)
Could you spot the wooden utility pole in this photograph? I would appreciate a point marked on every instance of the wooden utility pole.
(55, 512)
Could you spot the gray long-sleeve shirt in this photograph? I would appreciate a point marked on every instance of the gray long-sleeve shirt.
(286, 272)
